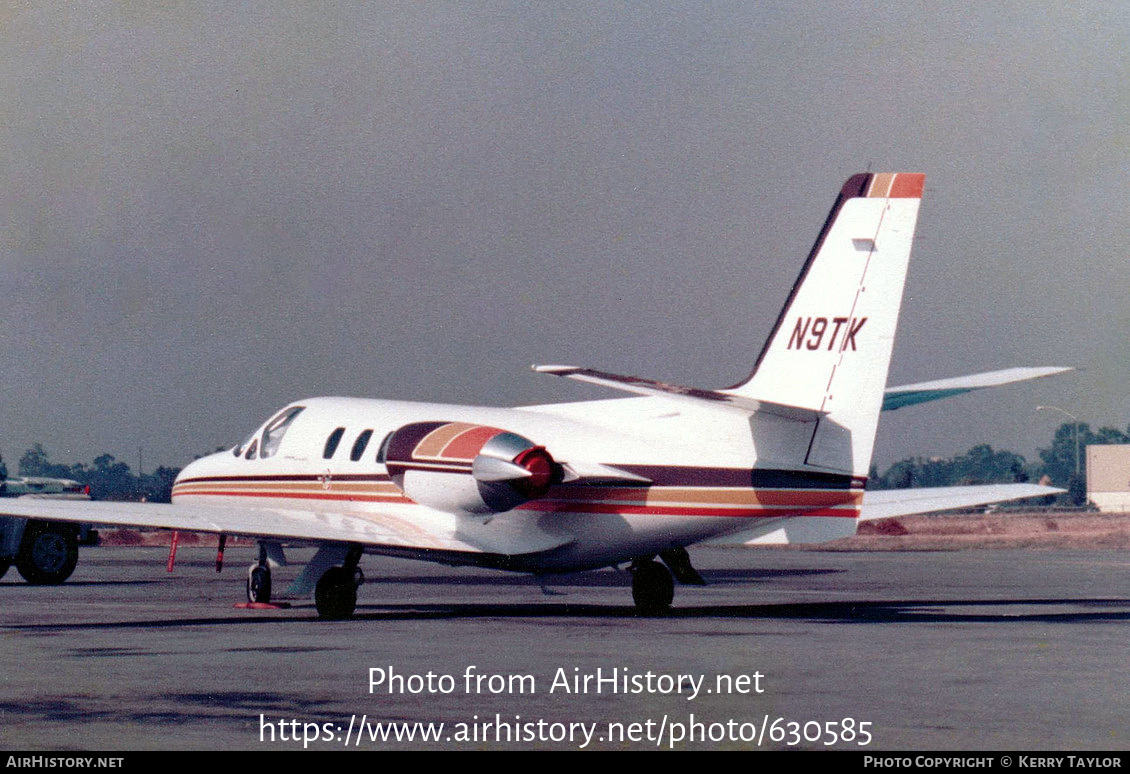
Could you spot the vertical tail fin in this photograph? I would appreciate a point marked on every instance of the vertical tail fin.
(831, 346)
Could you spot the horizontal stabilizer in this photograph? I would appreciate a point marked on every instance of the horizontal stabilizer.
(885, 503)
(677, 392)
(910, 394)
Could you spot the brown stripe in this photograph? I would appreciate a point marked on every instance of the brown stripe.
(304, 477)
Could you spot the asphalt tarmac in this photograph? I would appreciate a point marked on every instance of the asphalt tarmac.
(967, 650)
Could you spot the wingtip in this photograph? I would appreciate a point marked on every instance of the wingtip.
(553, 369)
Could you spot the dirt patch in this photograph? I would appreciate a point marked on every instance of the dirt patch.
(1007, 529)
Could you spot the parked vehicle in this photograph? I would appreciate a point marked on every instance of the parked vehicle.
(44, 552)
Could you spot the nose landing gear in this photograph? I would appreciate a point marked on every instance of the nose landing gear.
(259, 579)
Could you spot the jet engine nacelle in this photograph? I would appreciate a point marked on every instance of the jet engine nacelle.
(460, 467)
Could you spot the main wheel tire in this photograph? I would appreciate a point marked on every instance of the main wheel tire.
(336, 594)
(653, 589)
(49, 554)
(259, 583)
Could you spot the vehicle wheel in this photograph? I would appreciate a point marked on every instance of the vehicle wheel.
(653, 589)
(336, 594)
(4, 565)
(49, 554)
(259, 583)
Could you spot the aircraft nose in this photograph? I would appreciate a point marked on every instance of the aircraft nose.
(202, 466)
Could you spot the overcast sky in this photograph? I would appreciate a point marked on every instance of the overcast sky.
(213, 210)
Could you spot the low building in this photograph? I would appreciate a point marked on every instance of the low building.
(1108, 477)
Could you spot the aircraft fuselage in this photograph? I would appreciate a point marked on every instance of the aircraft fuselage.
(692, 485)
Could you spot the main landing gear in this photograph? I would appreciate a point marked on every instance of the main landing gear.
(336, 593)
(653, 587)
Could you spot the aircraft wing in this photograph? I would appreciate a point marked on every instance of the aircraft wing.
(910, 394)
(284, 525)
(885, 503)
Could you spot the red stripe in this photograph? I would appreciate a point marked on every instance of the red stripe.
(907, 185)
(797, 497)
(662, 510)
(548, 507)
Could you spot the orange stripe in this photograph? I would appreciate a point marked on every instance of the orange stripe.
(578, 498)
(468, 443)
(685, 508)
(300, 496)
(315, 486)
(880, 185)
(432, 445)
(900, 185)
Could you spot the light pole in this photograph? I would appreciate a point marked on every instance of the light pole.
(1075, 420)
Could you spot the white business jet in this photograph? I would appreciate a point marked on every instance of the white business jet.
(782, 457)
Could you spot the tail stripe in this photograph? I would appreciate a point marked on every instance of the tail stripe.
(896, 185)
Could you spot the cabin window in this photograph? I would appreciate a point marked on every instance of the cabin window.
(332, 442)
(276, 428)
(360, 444)
(382, 452)
(251, 450)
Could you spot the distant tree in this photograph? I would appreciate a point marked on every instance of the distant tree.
(1107, 435)
(1059, 459)
(107, 478)
(36, 462)
(158, 485)
(979, 465)
(982, 465)
(111, 480)
(900, 475)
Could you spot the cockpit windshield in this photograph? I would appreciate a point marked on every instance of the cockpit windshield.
(241, 447)
(275, 429)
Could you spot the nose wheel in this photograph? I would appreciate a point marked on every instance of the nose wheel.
(259, 583)
(259, 578)
(653, 588)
